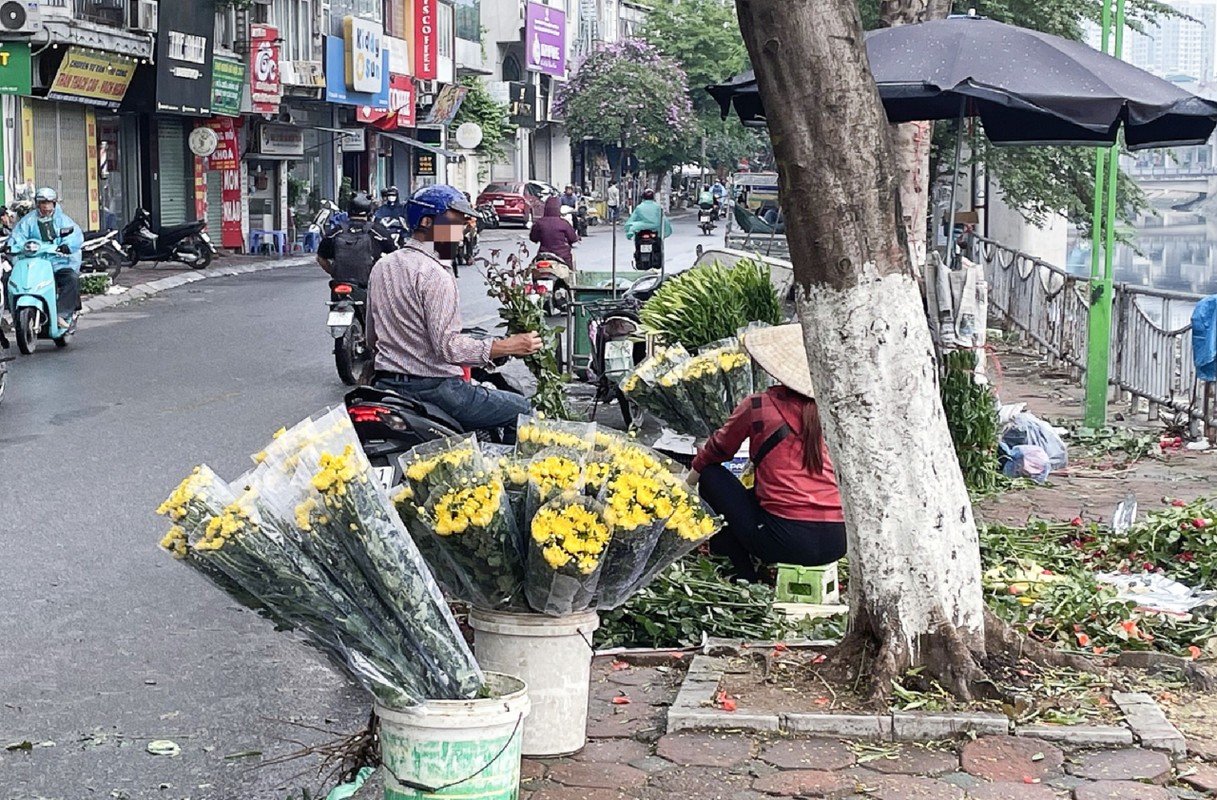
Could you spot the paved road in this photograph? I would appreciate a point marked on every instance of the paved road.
(105, 642)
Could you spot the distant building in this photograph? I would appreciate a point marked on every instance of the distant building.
(1178, 45)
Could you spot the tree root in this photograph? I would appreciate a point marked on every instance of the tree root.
(877, 655)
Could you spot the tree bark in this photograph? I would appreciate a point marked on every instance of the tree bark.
(915, 592)
(912, 140)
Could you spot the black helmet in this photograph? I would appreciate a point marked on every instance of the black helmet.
(392, 190)
(360, 205)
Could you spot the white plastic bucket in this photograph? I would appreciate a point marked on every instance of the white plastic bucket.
(456, 748)
(553, 655)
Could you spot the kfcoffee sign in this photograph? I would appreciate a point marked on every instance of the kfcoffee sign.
(364, 65)
(426, 40)
(265, 81)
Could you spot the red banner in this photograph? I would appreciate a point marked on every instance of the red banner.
(225, 166)
(401, 106)
(265, 87)
(426, 40)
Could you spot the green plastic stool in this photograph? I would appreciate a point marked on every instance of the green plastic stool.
(814, 585)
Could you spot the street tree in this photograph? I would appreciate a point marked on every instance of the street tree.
(628, 92)
(491, 115)
(915, 582)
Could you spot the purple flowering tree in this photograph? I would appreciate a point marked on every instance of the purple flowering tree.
(628, 92)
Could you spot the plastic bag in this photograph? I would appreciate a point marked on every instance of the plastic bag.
(567, 542)
(435, 463)
(1023, 427)
(534, 434)
(1026, 461)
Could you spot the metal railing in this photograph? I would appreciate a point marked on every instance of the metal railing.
(1150, 359)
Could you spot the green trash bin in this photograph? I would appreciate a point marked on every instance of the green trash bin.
(591, 287)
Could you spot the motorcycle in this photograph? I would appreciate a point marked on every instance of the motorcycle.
(389, 424)
(550, 283)
(648, 250)
(347, 322)
(31, 296)
(101, 252)
(487, 217)
(5, 357)
(577, 217)
(705, 220)
(187, 243)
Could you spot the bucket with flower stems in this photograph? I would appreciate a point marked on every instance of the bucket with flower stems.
(575, 521)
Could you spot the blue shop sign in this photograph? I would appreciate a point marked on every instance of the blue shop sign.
(336, 90)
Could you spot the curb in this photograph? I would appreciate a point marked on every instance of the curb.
(693, 710)
(142, 290)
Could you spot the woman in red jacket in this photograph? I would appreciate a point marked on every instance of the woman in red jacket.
(793, 513)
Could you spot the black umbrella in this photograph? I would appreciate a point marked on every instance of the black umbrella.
(1027, 87)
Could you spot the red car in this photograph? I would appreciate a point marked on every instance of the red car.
(518, 201)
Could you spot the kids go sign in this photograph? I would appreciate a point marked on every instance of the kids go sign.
(364, 65)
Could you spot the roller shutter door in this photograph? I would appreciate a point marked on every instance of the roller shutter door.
(61, 155)
(176, 183)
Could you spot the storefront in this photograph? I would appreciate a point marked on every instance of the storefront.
(366, 87)
(221, 168)
(272, 151)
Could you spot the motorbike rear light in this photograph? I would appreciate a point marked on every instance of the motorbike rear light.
(359, 414)
(545, 265)
(342, 288)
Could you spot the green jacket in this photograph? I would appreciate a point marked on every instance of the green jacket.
(646, 217)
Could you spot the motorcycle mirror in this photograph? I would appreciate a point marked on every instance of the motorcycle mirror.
(66, 231)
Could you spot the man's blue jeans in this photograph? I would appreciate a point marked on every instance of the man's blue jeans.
(474, 406)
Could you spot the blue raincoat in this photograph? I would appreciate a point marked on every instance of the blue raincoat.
(29, 229)
(1204, 338)
(646, 218)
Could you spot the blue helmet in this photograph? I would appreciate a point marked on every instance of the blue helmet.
(431, 201)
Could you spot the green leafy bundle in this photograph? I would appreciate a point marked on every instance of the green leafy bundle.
(972, 418)
(711, 303)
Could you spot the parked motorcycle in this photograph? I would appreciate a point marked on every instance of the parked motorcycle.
(581, 218)
(487, 217)
(389, 424)
(705, 220)
(187, 243)
(31, 296)
(347, 321)
(550, 286)
(101, 252)
(5, 356)
(648, 250)
(326, 217)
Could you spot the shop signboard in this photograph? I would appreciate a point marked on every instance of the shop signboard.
(522, 104)
(265, 80)
(92, 78)
(280, 140)
(399, 56)
(15, 68)
(227, 84)
(354, 140)
(426, 40)
(545, 40)
(336, 89)
(184, 45)
(365, 68)
(447, 104)
(424, 163)
(226, 161)
(401, 106)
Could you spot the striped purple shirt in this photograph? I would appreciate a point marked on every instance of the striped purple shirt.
(414, 316)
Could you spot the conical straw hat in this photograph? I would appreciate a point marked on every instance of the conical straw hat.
(779, 351)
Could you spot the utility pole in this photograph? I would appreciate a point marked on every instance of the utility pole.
(1103, 235)
(701, 183)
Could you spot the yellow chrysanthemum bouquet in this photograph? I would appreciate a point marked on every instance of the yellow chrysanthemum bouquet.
(311, 536)
(695, 394)
(590, 512)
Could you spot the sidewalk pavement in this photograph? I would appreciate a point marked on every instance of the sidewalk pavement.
(147, 279)
(630, 755)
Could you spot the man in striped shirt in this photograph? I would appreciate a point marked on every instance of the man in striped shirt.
(415, 322)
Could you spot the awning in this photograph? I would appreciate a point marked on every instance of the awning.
(434, 148)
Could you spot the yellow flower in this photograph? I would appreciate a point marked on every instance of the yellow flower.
(404, 494)
(555, 556)
(571, 534)
(631, 383)
(554, 473)
(175, 541)
(304, 512)
(278, 433)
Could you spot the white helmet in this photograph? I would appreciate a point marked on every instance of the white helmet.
(46, 193)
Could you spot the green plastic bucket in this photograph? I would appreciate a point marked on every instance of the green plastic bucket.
(456, 748)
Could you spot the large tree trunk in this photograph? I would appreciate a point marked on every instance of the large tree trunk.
(914, 585)
(911, 141)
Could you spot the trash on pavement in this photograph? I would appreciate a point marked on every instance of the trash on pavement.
(1025, 461)
(346, 790)
(1125, 514)
(1156, 592)
(1020, 427)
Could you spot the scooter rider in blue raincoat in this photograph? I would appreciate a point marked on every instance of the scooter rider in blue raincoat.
(391, 210)
(43, 225)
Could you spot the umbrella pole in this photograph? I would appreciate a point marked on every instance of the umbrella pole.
(1103, 234)
(955, 185)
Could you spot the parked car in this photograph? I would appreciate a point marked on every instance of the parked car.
(518, 202)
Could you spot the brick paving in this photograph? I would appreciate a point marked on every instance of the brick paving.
(631, 757)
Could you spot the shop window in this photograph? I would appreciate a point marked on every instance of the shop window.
(226, 29)
(512, 70)
(103, 12)
(444, 23)
(368, 9)
(294, 19)
(469, 20)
